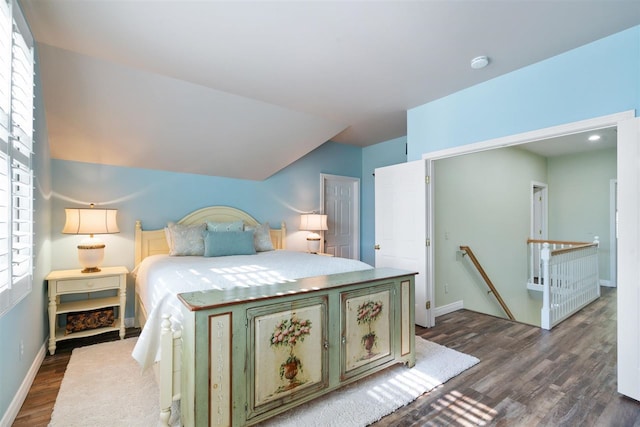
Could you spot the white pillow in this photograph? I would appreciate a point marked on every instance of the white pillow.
(185, 240)
(225, 226)
(261, 237)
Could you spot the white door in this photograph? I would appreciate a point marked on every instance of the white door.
(400, 226)
(538, 221)
(539, 209)
(341, 202)
(628, 158)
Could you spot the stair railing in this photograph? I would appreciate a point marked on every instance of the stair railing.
(466, 250)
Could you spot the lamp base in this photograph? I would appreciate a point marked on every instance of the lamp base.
(91, 254)
(313, 243)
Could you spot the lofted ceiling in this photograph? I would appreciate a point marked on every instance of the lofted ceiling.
(242, 89)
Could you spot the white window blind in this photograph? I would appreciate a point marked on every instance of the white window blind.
(16, 152)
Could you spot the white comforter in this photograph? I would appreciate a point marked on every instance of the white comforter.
(160, 277)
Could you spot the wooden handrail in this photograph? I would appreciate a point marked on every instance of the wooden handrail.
(557, 242)
(467, 250)
(573, 248)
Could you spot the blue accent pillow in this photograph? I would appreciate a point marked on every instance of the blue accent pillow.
(223, 243)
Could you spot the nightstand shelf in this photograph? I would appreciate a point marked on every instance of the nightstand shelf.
(60, 332)
(86, 305)
(74, 282)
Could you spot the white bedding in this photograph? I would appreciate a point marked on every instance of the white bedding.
(160, 277)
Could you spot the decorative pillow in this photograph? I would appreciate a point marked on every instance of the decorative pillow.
(225, 226)
(262, 237)
(223, 243)
(184, 240)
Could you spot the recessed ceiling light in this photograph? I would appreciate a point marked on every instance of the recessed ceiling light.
(594, 138)
(479, 62)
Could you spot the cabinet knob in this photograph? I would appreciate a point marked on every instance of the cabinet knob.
(344, 339)
(326, 345)
(376, 247)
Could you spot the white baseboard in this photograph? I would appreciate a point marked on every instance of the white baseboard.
(607, 283)
(14, 408)
(449, 308)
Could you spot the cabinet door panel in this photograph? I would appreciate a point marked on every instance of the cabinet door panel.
(368, 337)
(286, 341)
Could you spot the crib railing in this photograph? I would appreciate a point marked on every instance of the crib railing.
(569, 277)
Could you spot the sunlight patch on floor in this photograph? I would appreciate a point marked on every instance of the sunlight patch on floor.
(463, 410)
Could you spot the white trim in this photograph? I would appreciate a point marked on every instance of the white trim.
(532, 136)
(509, 141)
(20, 396)
(430, 277)
(613, 235)
(545, 213)
(449, 308)
(607, 283)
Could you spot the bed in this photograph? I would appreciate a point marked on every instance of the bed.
(239, 338)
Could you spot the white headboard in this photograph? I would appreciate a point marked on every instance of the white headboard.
(153, 242)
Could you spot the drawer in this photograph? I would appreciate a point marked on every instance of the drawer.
(87, 285)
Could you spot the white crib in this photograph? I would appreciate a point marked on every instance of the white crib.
(567, 275)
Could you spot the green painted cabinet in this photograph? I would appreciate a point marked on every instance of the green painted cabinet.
(251, 353)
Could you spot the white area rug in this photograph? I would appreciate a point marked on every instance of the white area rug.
(103, 386)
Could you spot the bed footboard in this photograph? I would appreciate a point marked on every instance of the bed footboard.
(241, 367)
(168, 368)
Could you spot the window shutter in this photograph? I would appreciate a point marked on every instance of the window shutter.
(16, 152)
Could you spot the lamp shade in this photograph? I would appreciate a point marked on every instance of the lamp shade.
(313, 222)
(90, 221)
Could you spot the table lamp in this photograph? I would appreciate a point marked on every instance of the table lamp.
(90, 221)
(313, 223)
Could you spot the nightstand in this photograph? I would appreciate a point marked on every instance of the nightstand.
(66, 282)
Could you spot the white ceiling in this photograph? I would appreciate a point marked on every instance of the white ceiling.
(574, 143)
(242, 89)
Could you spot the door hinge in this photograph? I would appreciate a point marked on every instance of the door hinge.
(427, 242)
(427, 179)
(428, 305)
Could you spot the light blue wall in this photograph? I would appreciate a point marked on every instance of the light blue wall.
(594, 80)
(27, 322)
(597, 79)
(375, 156)
(156, 197)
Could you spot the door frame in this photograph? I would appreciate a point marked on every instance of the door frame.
(613, 234)
(355, 199)
(508, 141)
(545, 210)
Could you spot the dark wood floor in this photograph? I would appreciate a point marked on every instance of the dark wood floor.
(526, 376)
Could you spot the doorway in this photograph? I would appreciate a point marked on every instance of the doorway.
(539, 211)
(340, 199)
(613, 120)
(539, 220)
